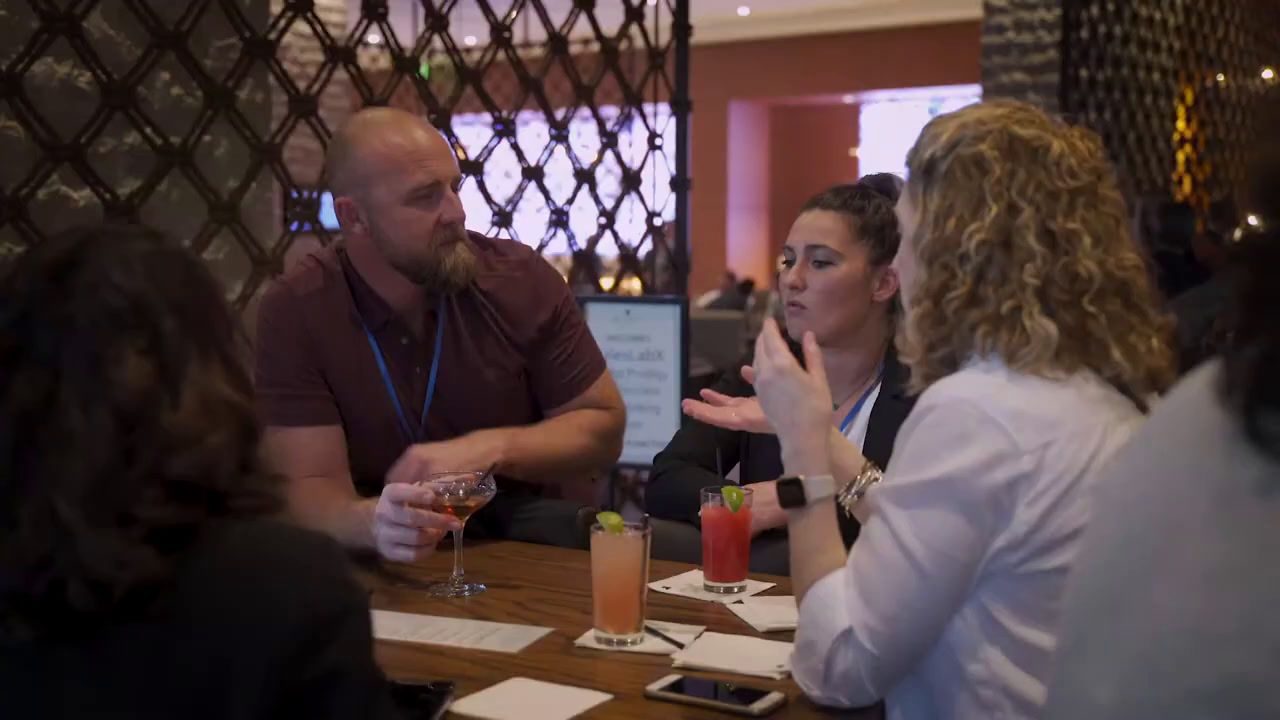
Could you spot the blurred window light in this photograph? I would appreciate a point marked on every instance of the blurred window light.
(889, 121)
(533, 212)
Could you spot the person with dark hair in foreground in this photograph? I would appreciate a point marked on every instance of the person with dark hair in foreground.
(142, 571)
(836, 281)
(1172, 608)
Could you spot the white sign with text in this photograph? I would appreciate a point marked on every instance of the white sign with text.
(641, 343)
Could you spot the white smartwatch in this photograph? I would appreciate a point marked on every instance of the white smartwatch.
(797, 491)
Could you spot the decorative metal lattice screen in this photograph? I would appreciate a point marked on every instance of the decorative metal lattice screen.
(1022, 50)
(209, 118)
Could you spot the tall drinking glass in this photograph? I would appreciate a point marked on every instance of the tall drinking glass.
(619, 582)
(459, 494)
(726, 540)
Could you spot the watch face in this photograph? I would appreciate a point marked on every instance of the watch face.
(791, 493)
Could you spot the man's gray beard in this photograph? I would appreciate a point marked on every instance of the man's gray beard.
(448, 269)
(453, 269)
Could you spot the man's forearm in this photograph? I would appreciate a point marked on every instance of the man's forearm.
(570, 446)
(344, 516)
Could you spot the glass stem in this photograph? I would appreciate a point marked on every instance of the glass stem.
(456, 579)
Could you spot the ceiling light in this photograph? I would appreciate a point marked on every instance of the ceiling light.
(469, 41)
(848, 99)
(1268, 74)
(1221, 78)
(743, 11)
(373, 39)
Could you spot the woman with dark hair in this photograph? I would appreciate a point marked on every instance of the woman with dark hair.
(1172, 608)
(835, 279)
(142, 572)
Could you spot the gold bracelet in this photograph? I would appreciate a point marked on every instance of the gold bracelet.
(856, 489)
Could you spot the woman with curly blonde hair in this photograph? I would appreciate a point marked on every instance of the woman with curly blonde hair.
(1033, 335)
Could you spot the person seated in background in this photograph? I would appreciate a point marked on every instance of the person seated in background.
(143, 572)
(836, 282)
(585, 271)
(1171, 611)
(659, 264)
(728, 287)
(735, 298)
(414, 347)
(1200, 311)
(1035, 340)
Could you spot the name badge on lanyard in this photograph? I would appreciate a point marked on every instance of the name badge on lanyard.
(405, 428)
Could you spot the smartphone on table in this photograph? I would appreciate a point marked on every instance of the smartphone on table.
(422, 700)
(716, 694)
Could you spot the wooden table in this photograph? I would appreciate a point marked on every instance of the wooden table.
(551, 587)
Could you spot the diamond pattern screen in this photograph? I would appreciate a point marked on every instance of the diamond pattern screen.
(209, 120)
(588, 213)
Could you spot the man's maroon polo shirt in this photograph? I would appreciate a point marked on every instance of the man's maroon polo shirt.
(515, 346)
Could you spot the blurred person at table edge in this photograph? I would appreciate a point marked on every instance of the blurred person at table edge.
(143, 573)
(1171, 609)
(835, 278)
(414, 347)
(1034, 335)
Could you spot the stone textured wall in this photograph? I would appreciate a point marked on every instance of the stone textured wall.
(564, 80)
(302, 56)
(208, 119)
(1022, 50)
(110, 122)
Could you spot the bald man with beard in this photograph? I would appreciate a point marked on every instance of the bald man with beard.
(414, 347)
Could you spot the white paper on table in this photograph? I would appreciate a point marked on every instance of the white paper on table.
(718, 652)
(689, 585)
(520, 698)
(681, 633)
(455, 632)
(768, 614)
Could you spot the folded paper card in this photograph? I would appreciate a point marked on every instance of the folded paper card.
(681, 633)
(718, 652)
(690, 585)
(768, 614)
(454, 632)
(520, 698)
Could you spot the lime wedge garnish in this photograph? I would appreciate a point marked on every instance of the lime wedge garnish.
(733, 496)
(611, 522)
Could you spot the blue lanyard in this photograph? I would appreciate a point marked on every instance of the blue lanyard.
(405, 428)
(853, 412)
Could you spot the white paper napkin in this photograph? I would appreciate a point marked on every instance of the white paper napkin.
(773, 613)
(454, 632)
(681, 633)
(718, 652)
(520, 698)
(690, 585)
